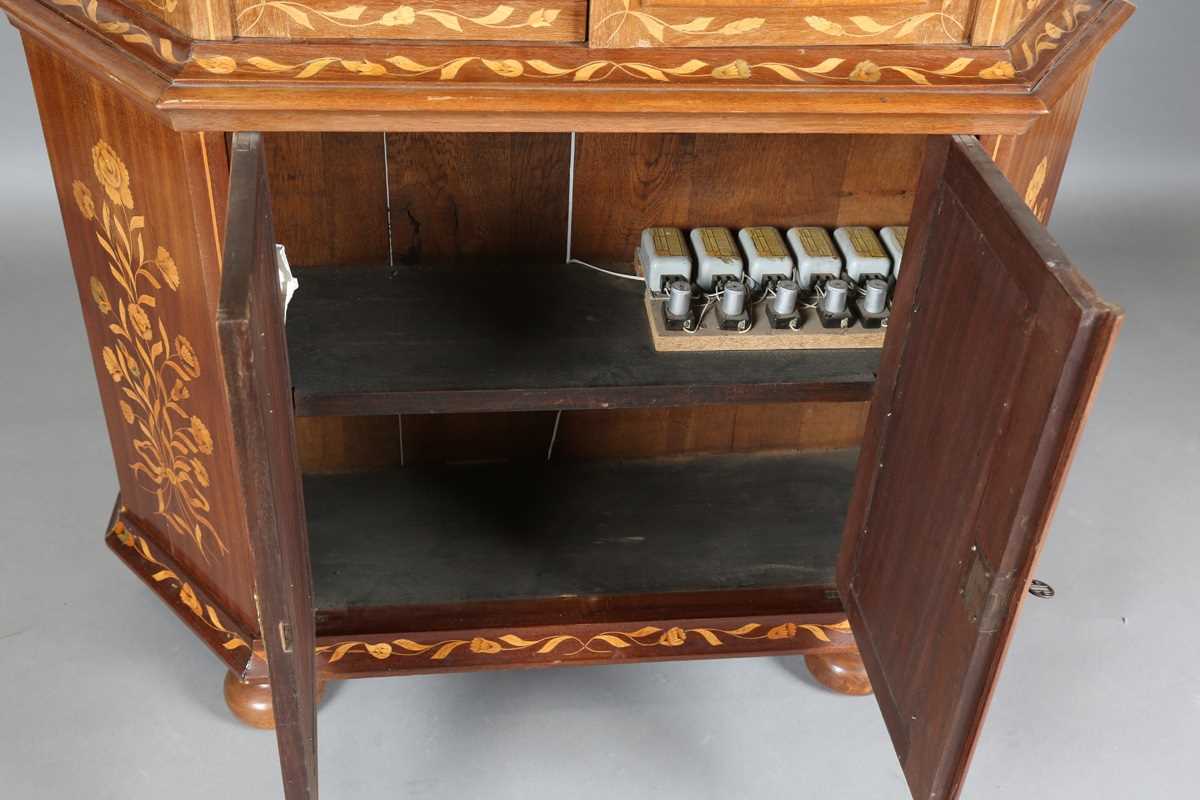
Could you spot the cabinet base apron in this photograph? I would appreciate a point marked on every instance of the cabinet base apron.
(824, 638)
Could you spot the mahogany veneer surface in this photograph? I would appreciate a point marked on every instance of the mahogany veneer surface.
(491, 532)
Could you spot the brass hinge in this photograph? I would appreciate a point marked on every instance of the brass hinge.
(984, 593)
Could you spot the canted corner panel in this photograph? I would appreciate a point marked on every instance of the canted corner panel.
(142, 215)
(1034, 162)
(479, 20)
(724, 23)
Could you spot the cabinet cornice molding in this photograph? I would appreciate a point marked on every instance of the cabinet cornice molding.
(273, 85)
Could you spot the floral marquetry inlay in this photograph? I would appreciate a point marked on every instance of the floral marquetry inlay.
(151, 367)
(564, 645)
(302, 16)
(1048, 35)
(162, 48)
(600, 70)
(647, 23)
(184, 594)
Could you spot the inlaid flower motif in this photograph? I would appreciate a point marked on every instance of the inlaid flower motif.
(83, 199)
(187, 595)
(180, 391)
(674, 637)
(141, 321)
(481, 645)
(127, 412)
(166, 267)
(379, 650)
(784, 631)
(111, 364)
(204, 442)
(123, 535)
(738, 69)
(402, 15)
(100, 296)
(1000, 71)
(112, 174)
(187, 355)
(866, 72)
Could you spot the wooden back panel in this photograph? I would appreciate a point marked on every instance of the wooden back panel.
(995, 347)
(254, 351)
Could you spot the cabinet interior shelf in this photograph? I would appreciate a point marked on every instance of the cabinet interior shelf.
(382, 340)
(576, 532)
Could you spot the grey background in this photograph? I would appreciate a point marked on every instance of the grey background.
(104, 695)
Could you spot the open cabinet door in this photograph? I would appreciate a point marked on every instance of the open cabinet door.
(254, 350)
(995, 347)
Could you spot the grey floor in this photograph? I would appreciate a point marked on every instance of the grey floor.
(104, 695)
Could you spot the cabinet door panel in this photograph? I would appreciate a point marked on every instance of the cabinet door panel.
(254, 351)
(733, 23)
(996, 346)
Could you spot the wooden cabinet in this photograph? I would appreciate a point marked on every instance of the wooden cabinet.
(981, 391)
(457, 449)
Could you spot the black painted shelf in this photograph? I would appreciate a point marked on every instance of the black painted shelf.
(378, 340)
(498, 532)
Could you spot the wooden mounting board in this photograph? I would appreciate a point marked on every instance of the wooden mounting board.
(761, 336)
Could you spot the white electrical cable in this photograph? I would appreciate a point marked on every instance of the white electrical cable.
(624, 275)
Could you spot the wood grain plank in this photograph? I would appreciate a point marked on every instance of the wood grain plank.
(627, 182)
(329, 195)
(345, 444)
(658, 432)
(478, 198)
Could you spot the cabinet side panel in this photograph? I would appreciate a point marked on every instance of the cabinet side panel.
(1034, 162)
(133, 195)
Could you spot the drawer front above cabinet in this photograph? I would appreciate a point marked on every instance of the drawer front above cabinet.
(433, 20)
(726, 23)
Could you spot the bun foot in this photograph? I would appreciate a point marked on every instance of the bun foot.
(843, 672)
(250, 701)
